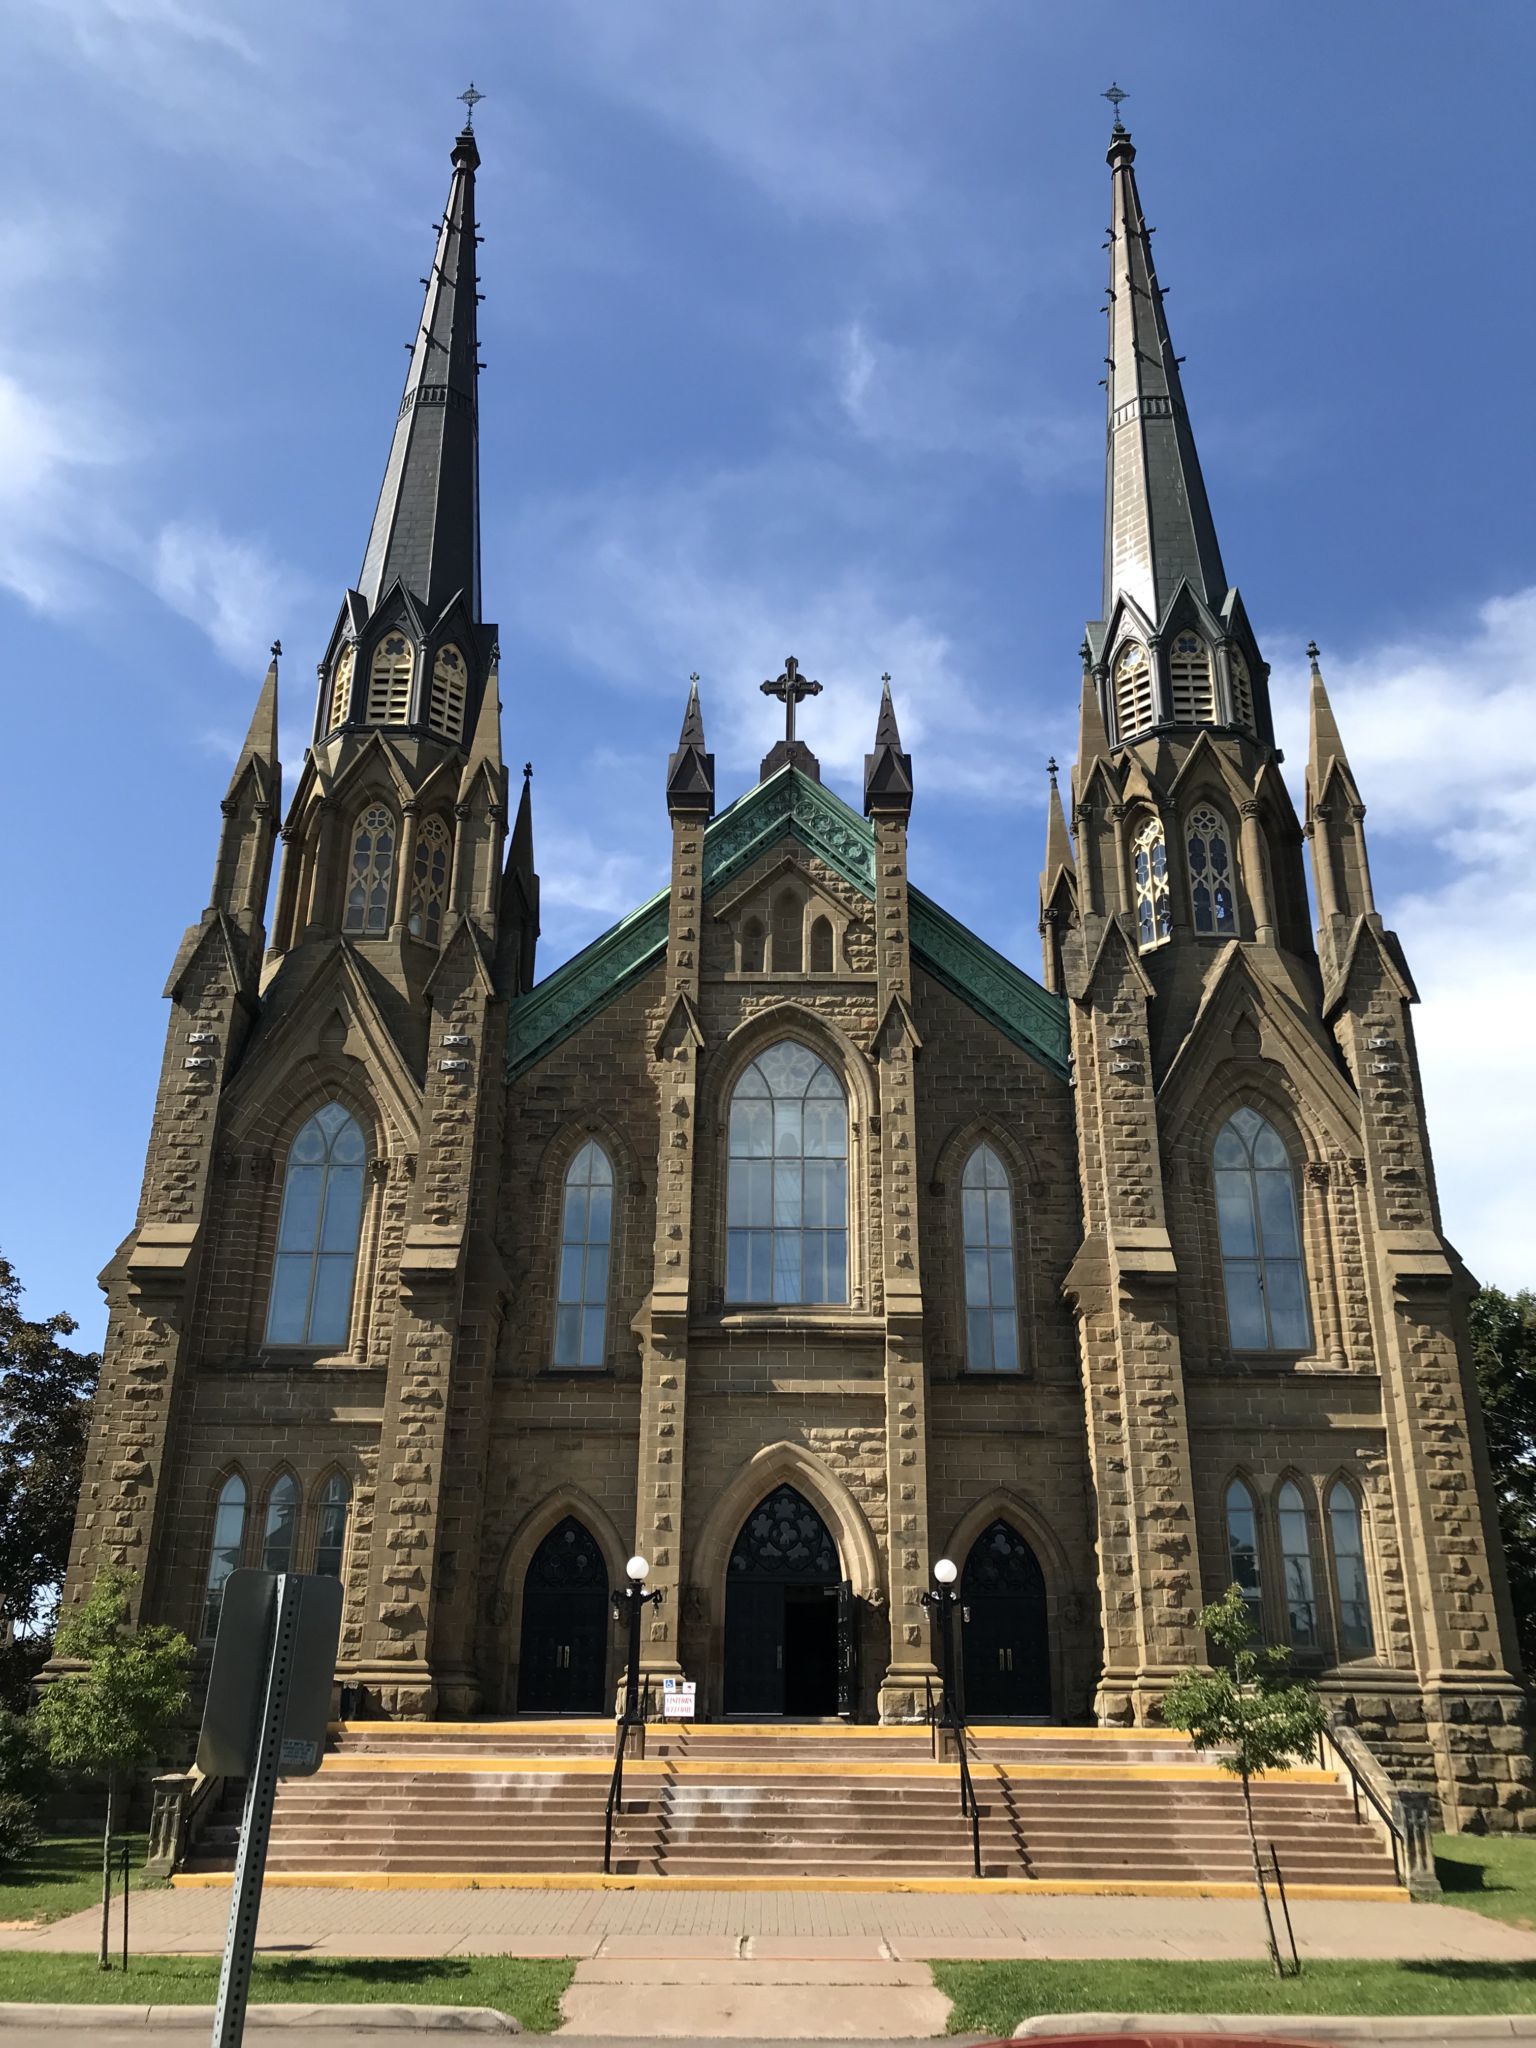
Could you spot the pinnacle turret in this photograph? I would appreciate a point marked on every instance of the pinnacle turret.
(1325, 749)
(888, 770)
(690, 768)
(426, 528)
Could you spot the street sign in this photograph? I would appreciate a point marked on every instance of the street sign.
(237, 1682)
(269, 1699)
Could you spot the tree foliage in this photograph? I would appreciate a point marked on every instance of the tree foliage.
(24, 1778)
(116, 1715)
(45, 1409)
(1503, 1330)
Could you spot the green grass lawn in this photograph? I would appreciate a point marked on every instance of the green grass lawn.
(1493, 1874)
(530, 1990)
(62, 1874)
(991, 1998)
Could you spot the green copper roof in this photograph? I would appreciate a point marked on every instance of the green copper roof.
(789, 804)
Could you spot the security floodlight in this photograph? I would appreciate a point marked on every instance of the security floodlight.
(637, 1568)
(946, 1571)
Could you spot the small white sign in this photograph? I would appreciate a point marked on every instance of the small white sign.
(677, 1701)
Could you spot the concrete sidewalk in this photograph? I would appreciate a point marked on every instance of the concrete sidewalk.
(843, 1927)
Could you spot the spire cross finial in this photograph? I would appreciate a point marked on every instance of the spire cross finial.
(1115, 96)
(527, 771)
(471, 100)
(1051, 770)
(886, 679)
(790, 688)
(277, 648)
(694, 678)
(1312, 652)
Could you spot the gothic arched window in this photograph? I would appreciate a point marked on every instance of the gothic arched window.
(1296, 1559)
(1208, 848)
(1242, 691)
(282, 1525)
(341, 686)
(753, 941)
(787, 1195)
(228, 1548)
(317, 1233)
(389, 681)
(1347, 1528)
(1133, 691)
(822, 957)
(429, 882)
(371, 874)
(991, 1312)
(586, 1239)
(1189, 681)
(450, 684)
(788, 933)
(1149, 877)
(331, 1526)
(1243, 1547)
(1260, 1237)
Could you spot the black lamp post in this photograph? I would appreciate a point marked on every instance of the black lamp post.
(634, 1597)
(946, 1599)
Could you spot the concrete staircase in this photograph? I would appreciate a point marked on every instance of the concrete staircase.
(781, 1804)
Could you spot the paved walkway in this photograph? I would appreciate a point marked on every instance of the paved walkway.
(844, 1927)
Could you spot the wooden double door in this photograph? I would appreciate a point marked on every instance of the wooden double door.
(563, 1661)
(1006, 1654)
(791, 1620)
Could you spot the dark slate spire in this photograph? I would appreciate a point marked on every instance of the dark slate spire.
(517, 932)
(691, 770)
(1157, 523)
(887, 771)
(426, 530)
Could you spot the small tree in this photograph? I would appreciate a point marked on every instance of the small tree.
(1250, 1706)
(113, 1718)
(24, 1777)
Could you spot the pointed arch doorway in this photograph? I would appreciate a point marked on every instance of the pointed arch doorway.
(1006, 1659)
(788, 1616)
(563, 1661)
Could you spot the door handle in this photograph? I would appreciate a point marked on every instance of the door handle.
(779, 1657)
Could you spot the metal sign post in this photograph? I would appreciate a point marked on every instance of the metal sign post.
(265, 1718)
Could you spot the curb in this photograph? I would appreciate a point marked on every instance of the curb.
(362, 2019)
(1519, 2026)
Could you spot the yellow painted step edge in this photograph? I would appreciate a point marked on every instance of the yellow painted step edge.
(740, 1767)
(774, 1730)
(593, 1881)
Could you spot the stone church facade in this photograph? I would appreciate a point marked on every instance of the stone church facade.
(788, 1234)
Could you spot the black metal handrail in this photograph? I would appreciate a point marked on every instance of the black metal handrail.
(950, 1719)
(615, 1794)
(1357, 1784)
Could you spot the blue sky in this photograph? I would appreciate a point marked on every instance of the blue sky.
(793, 335)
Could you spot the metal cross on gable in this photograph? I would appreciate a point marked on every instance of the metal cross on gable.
(1115, 96)
(471, 100)
(790, 688)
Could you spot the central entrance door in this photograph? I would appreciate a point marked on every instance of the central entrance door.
(1006, 1667)
(563, 1665)
(784, 1655)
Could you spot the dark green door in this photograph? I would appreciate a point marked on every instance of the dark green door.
(563, 1665)
(781, 1613)
(1005, 1664)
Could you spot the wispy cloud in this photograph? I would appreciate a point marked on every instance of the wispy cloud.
(230, 587)
(1441, 732)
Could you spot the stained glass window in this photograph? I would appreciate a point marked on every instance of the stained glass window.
(1243, 1547)
(1349, 1580)
(991, 1313)
(429, 882)
(282, 1526)
(1296, 1557)
(586, 1240)
(331, 1526)
(787, 1199)
(1260, 1237)
(370, 879)
(1149, 876)
(317, 1233)
(1209, 850)
(228, 1547)
(784, 1538)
